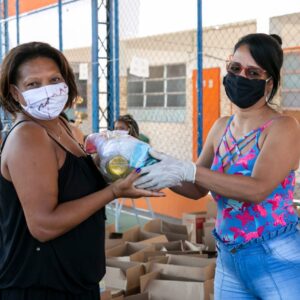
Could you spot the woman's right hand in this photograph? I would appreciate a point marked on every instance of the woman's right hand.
(124, 188)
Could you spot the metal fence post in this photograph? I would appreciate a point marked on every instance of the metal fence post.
(18, 21)
(116, 59)
(110, 64)
(6, 32)
(60, 30)
(95, 66)
(199, 75)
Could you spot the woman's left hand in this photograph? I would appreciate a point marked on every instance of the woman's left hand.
(125, 188)
(168, 172)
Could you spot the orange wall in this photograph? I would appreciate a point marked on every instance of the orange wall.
(195, 116)
(172, 205)
(210, 102)
(28, 5)
(211, 98)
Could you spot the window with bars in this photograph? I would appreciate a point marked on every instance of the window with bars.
(164, 88)
(291, 80)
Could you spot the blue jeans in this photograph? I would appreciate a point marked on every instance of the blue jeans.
(268, 269)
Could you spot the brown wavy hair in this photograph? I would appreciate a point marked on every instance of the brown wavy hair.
(24, 53)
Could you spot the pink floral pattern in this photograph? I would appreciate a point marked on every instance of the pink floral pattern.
(237, 221)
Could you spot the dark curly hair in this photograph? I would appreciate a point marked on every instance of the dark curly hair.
(24, 53)
(133, 128)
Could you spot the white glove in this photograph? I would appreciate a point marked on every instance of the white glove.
(168, 172)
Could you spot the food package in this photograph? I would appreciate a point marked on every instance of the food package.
(119, 153)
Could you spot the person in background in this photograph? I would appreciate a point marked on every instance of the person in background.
(77, 133)
(248, 163)
(128, 123)
(52, 196)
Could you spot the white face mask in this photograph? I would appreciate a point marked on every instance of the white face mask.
(46, 102)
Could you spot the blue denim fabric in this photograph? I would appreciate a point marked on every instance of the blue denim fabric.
(267, 268)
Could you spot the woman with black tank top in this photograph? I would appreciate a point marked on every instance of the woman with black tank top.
(52, 196)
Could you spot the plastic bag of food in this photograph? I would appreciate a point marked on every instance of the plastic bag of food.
(119, 153)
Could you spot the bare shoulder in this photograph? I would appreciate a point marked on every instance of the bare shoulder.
(220, 124)
(218, 129)
(285, 125)
(213, 138)
(28, 148)
(26, 137)
(29, 132)
(77, 133)
(284, 130)
(222, 121)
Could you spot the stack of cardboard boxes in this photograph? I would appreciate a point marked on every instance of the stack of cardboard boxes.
(162, 260)
(202, 224)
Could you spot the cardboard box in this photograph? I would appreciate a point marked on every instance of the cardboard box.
(169, 246)
(193, 246)
(143, 296)
(165, 287)
(130, 252)
(195, 220)
(208, 239)
(158, 259)
(173, 232)
(184, 267)
(179, 246)
(111, 243)
(211, 209)
(175, 247)
(123, 276)
(120, 297)
(136, 234)
(149, 256)
(112, 294)
(109, 229)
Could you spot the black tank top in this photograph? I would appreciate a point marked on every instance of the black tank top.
(73, 262)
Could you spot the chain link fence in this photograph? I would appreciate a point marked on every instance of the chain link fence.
(288, 27)
(158, 75)
(158, 63)
(38, 21)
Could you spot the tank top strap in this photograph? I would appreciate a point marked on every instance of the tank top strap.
(223, 138)
(15, 125)
(228, 123)
(249, 140)
(241, 143)
(262, 128)
(266, 124)
(65, 124)
(69, 132)
(252, 134)
(61, 145)
(50, 136)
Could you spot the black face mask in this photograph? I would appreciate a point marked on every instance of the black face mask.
(243, 92)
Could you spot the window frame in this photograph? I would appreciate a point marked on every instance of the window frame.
(165, 93)
(284, 72)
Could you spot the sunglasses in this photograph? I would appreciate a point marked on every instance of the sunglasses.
(251, 72)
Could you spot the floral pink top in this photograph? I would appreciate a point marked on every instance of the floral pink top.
(239, 222)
